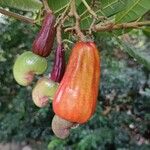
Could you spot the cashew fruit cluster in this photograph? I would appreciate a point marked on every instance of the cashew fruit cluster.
(72, 89)
(34, 62)
(46, 88)
(30, 63)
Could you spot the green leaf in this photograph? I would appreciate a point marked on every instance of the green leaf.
(146, 31)
(106, 8)
(134, 10)
(59, 5)
(26, 5)
(54, 143)
(142, 56)
(111, 7)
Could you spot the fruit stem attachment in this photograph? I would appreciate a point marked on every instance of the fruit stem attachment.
(46, 6)
(58, 34)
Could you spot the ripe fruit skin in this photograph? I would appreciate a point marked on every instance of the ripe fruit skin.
(43, 91)
(43, 43)
(59, 64)
(75, 99)
(26, 65)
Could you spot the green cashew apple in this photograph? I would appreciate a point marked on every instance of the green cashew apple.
(26, 66)
(43, 91)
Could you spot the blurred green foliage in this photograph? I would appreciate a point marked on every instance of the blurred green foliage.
(122, 118)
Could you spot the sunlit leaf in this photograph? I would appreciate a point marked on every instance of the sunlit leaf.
(27, 5)
(134, 10)
(59, 5)
(106, 8)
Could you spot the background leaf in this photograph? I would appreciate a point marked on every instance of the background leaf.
(27, 5)
(134, 10)
(142, 56)
(111, 7)
(146, 31)
(106, 8)
(59, 5)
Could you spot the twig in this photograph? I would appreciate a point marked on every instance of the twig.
(91, 26)
(63, 16)
(113, 26)
(60, 23)
(89, 9)
(95, 16)
(58, 35)
(106, 111)
(73, 13)
(17, 16)
(92, 5)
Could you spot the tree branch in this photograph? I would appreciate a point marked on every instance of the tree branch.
(113, 26)
(16, 16)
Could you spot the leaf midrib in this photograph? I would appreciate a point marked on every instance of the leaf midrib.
(130, 9)
(109, 5)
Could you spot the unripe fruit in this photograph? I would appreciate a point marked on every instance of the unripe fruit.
(59, 64)
(43, 43)
(43, 91)
(26, 65)
(46, 88)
